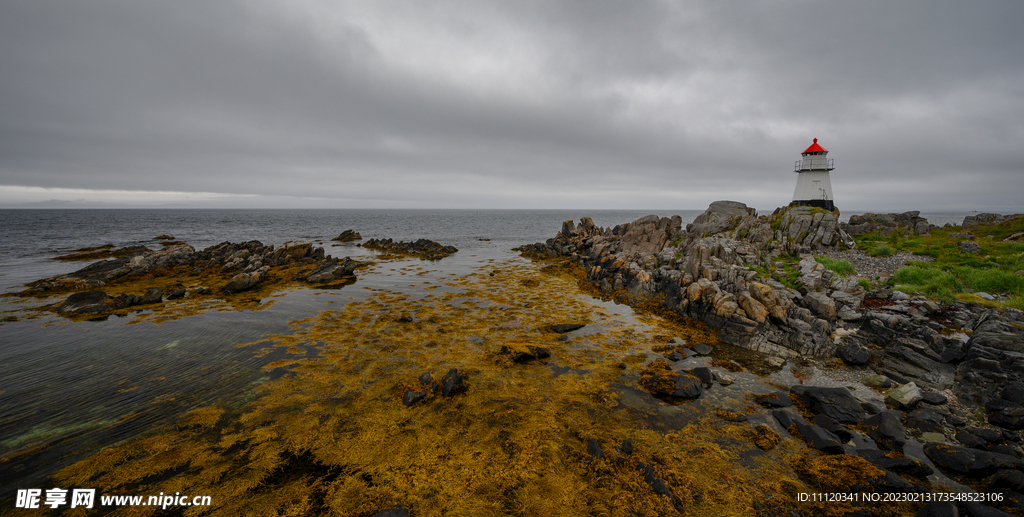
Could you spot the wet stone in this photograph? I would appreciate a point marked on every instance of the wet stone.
(411, 397)
(968, 439)
(675, 356)
(774, 400)
(562, 328)
(625, 448)
(704, 374)
(702, 349)
(594, 449)
(453, 383)
(934, 398)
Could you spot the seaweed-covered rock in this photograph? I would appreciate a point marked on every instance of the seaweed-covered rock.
(522, 352)
(348, 236)
(422, 248)
(886, 430)
(88, 302)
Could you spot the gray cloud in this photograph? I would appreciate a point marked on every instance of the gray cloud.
(499, 104)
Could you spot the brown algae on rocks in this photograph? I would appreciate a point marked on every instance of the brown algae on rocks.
(333, 437)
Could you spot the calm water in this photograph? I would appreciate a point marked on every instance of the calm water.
(68, 389)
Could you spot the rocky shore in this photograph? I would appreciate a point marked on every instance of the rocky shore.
(949, 376)
(179, 271)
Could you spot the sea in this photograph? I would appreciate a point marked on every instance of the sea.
(69, 389)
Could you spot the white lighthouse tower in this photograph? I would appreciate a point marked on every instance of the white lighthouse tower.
(813, 187)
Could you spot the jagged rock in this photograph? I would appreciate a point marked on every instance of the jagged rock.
(329, 271)
(393, 512)
(245, 281)
(904, 397)
(854, 354)
(347, 236)
(907, 223)
(987, 218)
(422, 248)
(453, 383)
(89, 302)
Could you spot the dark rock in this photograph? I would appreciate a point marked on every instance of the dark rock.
(154, 295)
(970, 247)
(906, 466)
(594, 449)
(523, 352)
(661, 488)
(405, 319)
(411, 397)
(127, 300)
(819, 438)
(175, 294)
(426, 379)
(88, 302)
(688, 387)
(972, 509)
(854, 354)
(1006, 478)
(886, 430)
(787, 418)
(453, 383)
(938, 509)
(989, 435)
(774, 400)
(837, 403)
(971, 462)
(925, 420)
(1003, 449)
(702, 349)
(1008, 417)
(968, 439)
(1013, 391)
(704, 374)
(829, 424)
(675, 356)
(934, 398)
(422, 248)
(626, 448)
(562, 328)
(347, 236)
(647, 472)
(329, 270)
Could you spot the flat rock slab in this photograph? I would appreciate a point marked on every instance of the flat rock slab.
(971, 462)
(837, 403)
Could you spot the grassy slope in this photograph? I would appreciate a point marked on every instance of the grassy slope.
(956, 274)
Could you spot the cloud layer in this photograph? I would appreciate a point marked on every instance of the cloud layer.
(510, 104)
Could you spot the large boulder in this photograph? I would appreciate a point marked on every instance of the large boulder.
(245, 281)
(837, 403)
(971, 462)
(907, 223)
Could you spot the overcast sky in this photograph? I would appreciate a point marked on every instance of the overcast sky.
(513, 104)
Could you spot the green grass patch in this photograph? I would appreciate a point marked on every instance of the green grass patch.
(863, 282)
(882, 250)
(840, 267)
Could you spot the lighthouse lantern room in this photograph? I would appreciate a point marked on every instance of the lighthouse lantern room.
(813, 187)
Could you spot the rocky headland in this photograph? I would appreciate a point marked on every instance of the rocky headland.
(946, 375)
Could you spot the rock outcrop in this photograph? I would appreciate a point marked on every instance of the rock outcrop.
(907, 223)
(422, 248)
(244, 266)
(709, 271)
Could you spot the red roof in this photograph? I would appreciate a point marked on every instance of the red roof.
(815, 148)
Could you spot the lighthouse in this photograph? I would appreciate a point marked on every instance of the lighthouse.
(813, 187)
